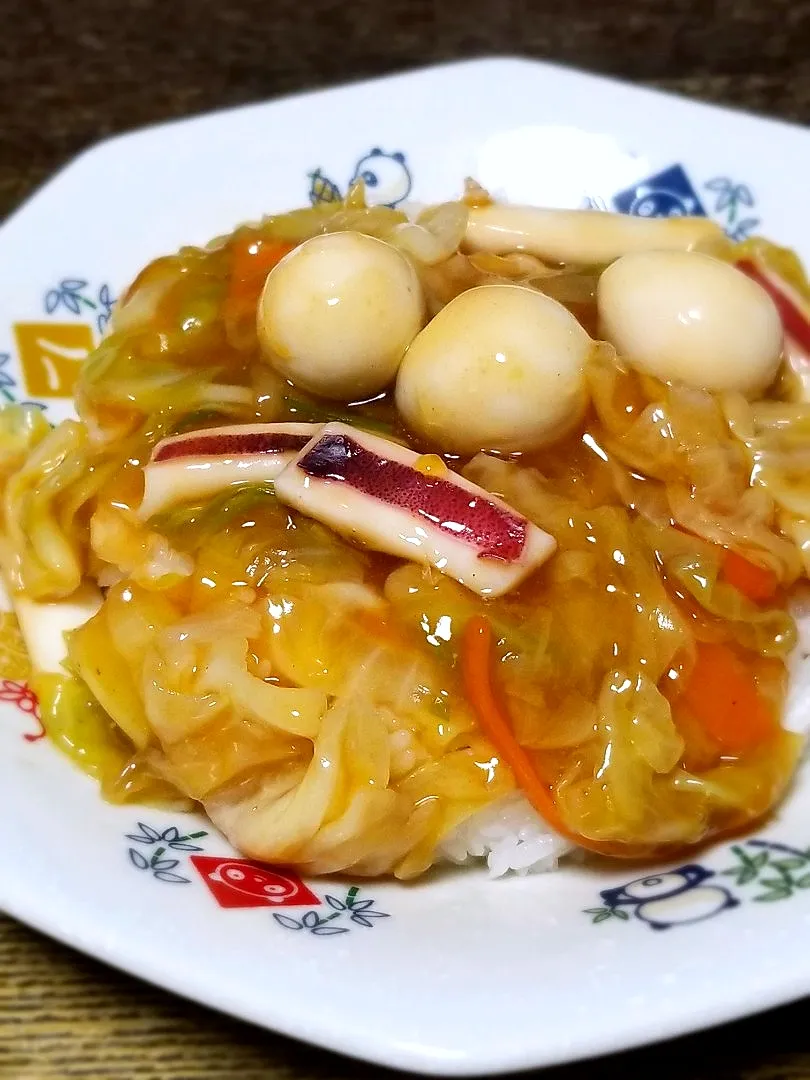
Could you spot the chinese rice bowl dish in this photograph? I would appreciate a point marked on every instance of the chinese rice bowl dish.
(393, 540)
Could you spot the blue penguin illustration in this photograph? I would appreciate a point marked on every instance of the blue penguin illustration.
(386, 176)
(672, 898)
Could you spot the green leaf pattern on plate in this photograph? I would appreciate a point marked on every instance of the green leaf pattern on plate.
(765, 870)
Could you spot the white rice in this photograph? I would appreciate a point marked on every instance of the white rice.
(797, 705)
(512, 836)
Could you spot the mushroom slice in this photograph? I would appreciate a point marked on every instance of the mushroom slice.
(582, 237)
(198, 464)
(386, 497)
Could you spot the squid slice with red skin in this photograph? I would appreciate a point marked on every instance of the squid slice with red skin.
(794, 311)
(198, 464)
(373, 492)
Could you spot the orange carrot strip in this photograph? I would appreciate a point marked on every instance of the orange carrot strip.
(758, 583)
(477, 674)
(257, 257)
(476, 669)
(722, 694)
(252, 262)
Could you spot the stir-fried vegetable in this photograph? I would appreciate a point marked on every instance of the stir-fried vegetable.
(723, 695)
(565, 569)
(253, 259)
(758, 583)
(476, 661)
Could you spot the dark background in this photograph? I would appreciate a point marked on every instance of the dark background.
(74, 71)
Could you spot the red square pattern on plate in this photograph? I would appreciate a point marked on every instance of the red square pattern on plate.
(240, 883)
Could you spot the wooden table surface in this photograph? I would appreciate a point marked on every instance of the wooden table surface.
(74, 71)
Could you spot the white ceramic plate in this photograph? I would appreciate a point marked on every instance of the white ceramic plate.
(457, 975)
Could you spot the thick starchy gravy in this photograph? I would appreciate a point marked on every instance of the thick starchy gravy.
(335, 706)
(594, 657)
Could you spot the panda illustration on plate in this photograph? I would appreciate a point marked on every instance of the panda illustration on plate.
(385, 174)
(672, 898)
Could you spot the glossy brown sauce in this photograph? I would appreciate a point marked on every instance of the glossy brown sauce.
(593, 653)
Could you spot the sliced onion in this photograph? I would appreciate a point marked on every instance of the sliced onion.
(435, 236)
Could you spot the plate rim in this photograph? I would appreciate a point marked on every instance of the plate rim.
(450, 67)
(124, 958)
(359, 1044)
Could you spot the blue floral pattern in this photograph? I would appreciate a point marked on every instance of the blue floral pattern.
(239, 883)
(731, 200)
(350, 908)
(8, 385)
(779, 870)
(7, 382)
(160, 867)
(71, 294)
